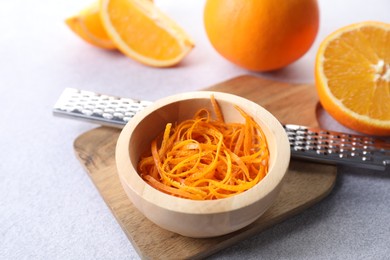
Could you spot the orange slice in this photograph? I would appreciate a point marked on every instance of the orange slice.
(142, 32)
(353, 76)
(88, 26)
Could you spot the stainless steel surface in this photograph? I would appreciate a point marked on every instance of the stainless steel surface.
(332, 147)
(307, 143)
(97, 108)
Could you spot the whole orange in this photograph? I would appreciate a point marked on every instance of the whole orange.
(261, 35)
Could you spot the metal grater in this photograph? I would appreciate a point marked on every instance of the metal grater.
(97, 108)
(306, 143)
(332, 147)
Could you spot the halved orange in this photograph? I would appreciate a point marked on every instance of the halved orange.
(142, 32)
(88, 26)
(353, 76)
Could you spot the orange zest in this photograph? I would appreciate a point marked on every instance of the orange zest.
(205, 159)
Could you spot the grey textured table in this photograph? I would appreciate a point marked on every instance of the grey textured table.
(50, 209)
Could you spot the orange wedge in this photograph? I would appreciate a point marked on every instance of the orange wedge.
(353, 77)
(88, 26)
(142, 32)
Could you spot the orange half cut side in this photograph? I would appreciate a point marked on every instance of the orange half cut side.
(353, 77)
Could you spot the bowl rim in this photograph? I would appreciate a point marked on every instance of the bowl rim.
(130, 177)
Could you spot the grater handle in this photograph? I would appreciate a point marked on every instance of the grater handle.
(307, 143)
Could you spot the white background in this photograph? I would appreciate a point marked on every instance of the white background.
(50, 209)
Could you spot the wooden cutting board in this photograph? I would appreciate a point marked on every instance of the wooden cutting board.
(306, 183)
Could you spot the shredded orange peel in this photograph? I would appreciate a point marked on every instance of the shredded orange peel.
(206, 159)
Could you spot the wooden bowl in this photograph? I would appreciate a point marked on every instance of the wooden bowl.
(191, 217)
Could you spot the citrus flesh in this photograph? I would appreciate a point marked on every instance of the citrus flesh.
(353, 76)
(142, 32)
(87, 25)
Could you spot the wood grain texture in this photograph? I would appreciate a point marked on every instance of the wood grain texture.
(305, 185)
